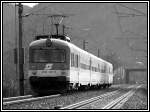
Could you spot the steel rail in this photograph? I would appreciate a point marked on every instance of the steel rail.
(92, 100)
(85, 102)
(16, 98)
(116, 104)
(117, 101)
(29, 99)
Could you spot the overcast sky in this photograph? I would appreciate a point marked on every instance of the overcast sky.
(30, 4)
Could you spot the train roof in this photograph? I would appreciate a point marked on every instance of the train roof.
(67, 44)
(90, 54)
(41, 42)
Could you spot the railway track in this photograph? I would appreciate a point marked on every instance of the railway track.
(116, 104)
(86, 102)
(16, 98)
(101, 100)
(24, 99)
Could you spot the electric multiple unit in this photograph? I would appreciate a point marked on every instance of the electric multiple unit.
(58, 65)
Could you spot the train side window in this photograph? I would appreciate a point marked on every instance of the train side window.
(77, 61)
(102, 68)
(75, 56)
(74, 60)
(71, 59)
(105, 69)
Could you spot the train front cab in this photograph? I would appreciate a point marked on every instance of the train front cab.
(48, 66)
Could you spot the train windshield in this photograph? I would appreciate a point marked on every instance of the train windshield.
(47, 55)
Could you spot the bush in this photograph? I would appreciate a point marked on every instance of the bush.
(10, 88)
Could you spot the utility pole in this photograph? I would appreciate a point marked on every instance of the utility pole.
(21, 52)
(43, 27)
(63, 29)
(98, 52)
(84, 44)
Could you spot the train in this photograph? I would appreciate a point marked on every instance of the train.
(56, 64)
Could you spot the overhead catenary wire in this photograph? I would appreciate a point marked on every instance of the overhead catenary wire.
(33, 13)
(118, 18)
(128, 15)
(133, 9)
(28, 14)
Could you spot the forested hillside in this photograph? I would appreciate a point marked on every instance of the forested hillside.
(99, 24)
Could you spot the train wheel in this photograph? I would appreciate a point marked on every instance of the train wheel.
(77, 86)
(82, 87)
(104, 86)
(88, 86)
(92, 87)
(70, 87)
(99, 86)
